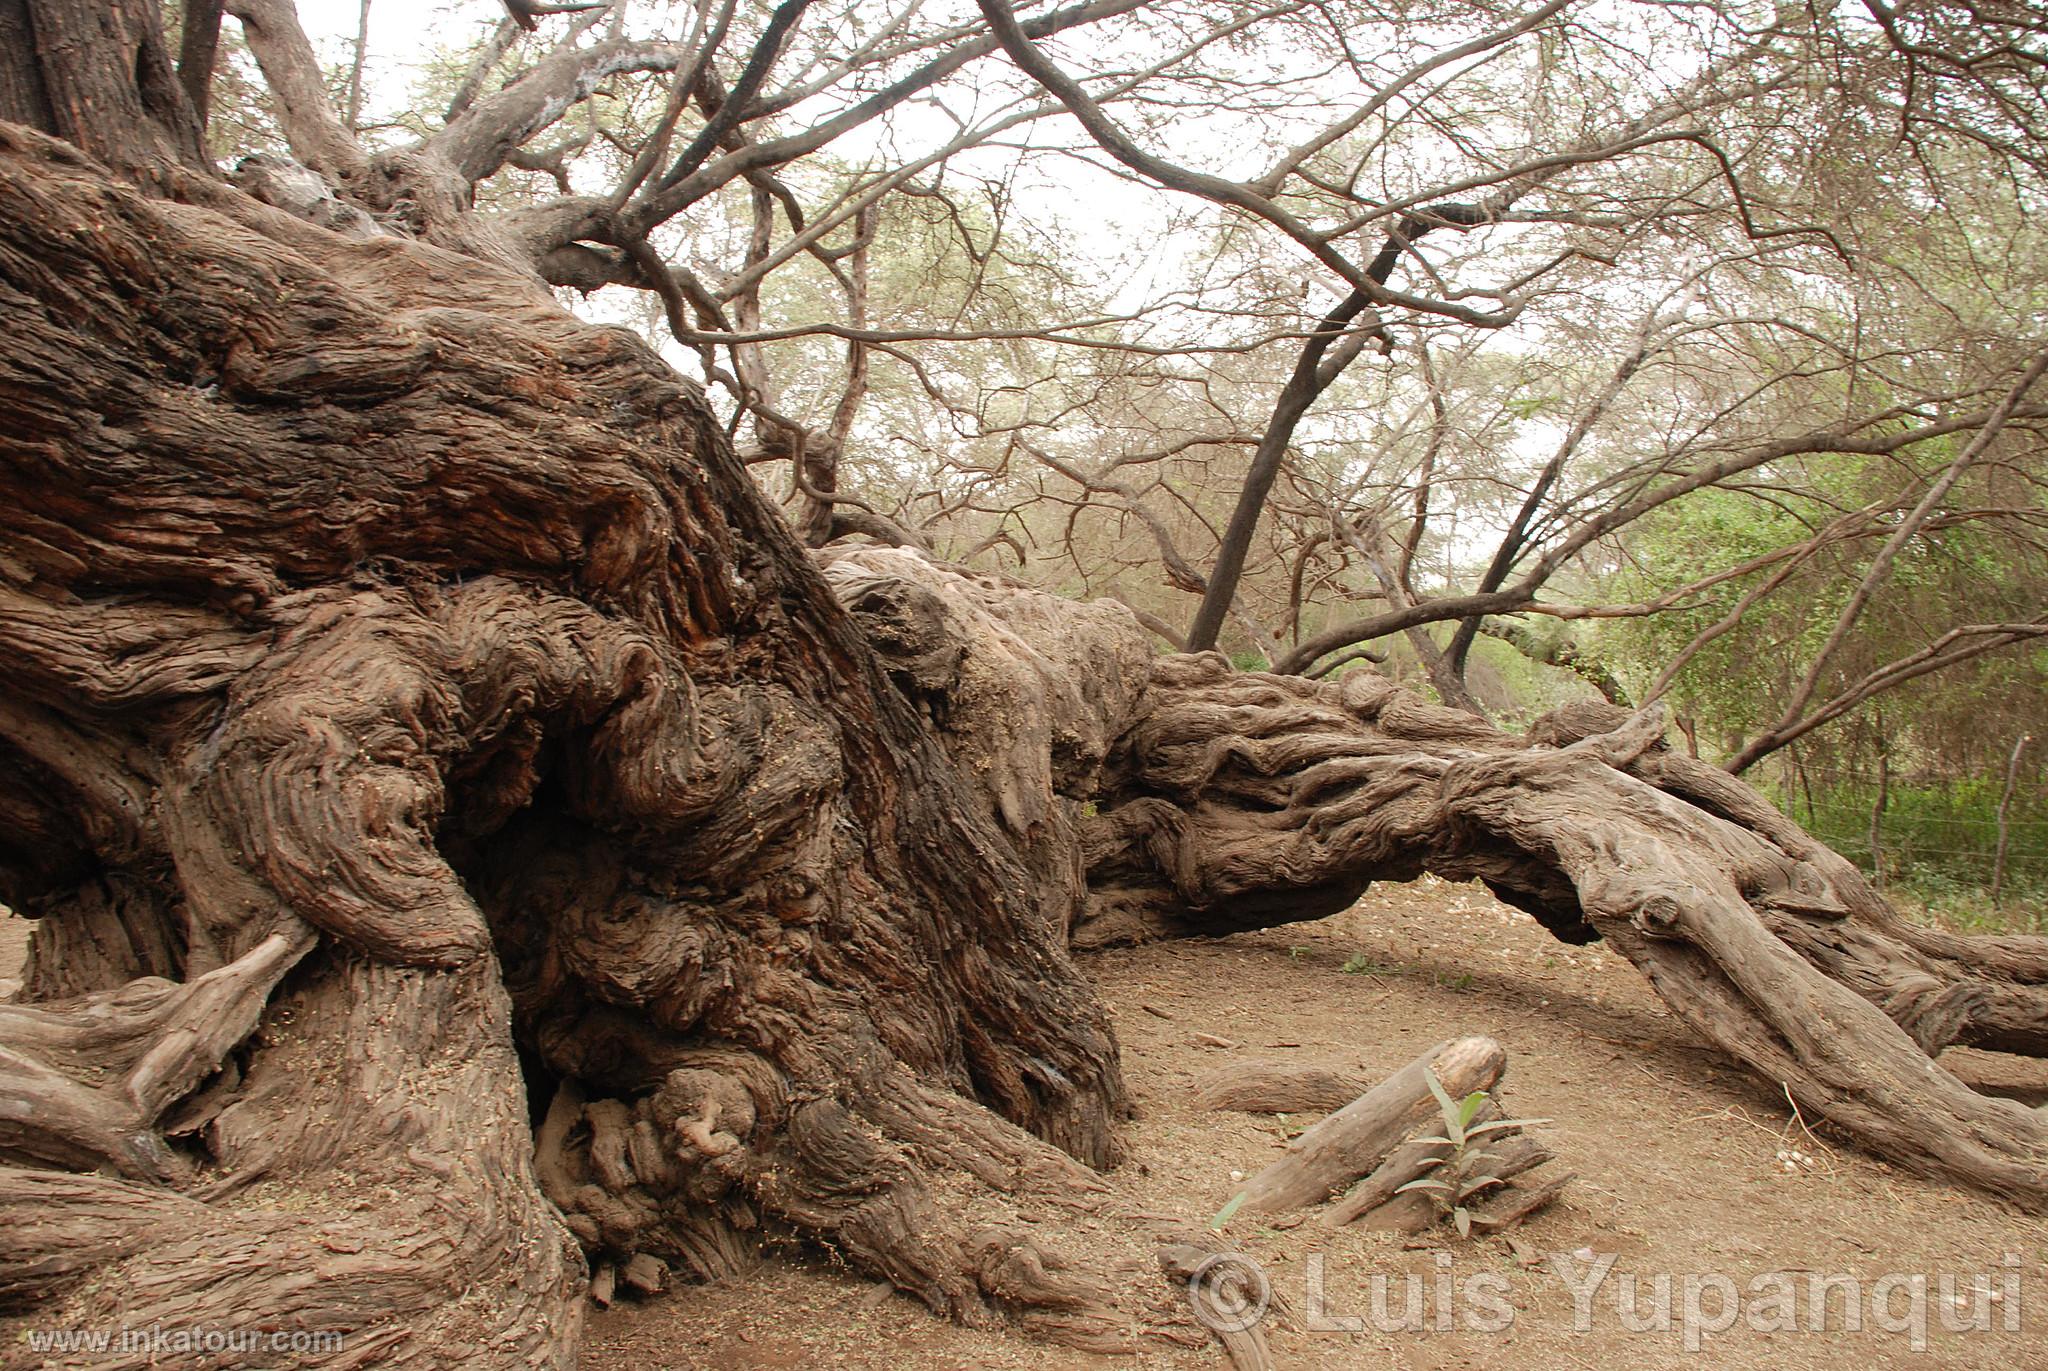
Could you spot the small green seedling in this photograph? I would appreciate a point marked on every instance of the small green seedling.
(1466, 1170)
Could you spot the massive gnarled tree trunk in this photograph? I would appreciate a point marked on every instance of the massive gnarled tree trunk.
(1238, 800)
(401, 678)
(473, 845)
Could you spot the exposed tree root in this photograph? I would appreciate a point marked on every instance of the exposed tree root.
(372, 1179)
(1271, 1087)
(148, 1044)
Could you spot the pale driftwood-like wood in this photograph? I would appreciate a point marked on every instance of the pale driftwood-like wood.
(1409, 1161)
(1355, 1139)
(1375, 1205)
(1269, 1087)
(86, 1080)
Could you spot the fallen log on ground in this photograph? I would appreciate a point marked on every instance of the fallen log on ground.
(1355, 1139)
(1428, 1142)
(1260, 1086)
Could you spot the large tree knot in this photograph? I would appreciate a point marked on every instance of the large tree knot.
(1621, 745)
(662, 1178)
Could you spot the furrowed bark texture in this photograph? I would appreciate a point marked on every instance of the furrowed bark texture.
(474, 845)
(1238, 800)
(407, 703)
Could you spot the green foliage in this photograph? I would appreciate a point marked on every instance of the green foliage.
(1466, 1171)
(1937, 839)
(1943, 738)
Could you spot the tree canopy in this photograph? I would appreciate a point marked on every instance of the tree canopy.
(1302, 326)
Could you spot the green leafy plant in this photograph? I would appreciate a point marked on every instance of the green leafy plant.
(1361, 965)
(1466, 1170)
(1223, 1214)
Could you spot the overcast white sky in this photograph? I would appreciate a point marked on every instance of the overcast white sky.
(1123, 227)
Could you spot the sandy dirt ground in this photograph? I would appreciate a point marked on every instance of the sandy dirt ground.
(1676, 1156)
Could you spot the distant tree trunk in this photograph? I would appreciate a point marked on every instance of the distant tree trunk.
(1313, 372)
(198, 50)
(100, 76)
(352, 112)
(2012, 775)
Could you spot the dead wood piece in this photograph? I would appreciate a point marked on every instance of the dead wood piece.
(1263, 1086)
(1230, 1296)
(1358, 1137)
(1518, 1204)
(644, 1273)
(1513, 1154)
(1414, 1211)
(1411, 1213)
(1410, 1161)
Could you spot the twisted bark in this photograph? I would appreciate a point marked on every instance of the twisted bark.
(1240, 800)
(372, 624)
(472, 843)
